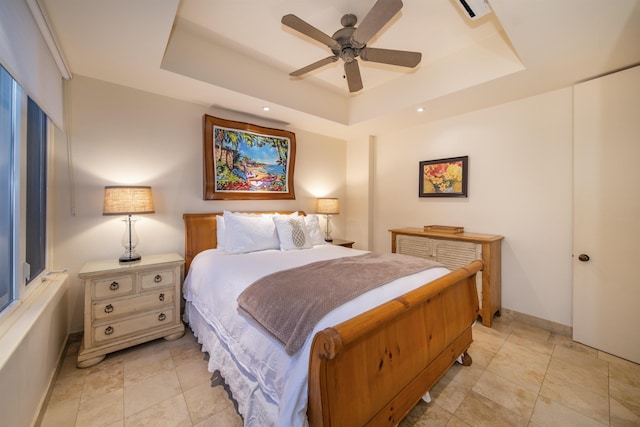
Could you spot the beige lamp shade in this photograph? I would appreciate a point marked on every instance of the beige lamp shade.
(327, 206)
(127, 200)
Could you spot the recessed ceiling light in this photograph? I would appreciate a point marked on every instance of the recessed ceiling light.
(265, 108)
(420, 109)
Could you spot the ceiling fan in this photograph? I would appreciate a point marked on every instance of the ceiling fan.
(350, 42)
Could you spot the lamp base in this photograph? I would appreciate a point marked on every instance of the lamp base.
(129, 258)
(328, 239)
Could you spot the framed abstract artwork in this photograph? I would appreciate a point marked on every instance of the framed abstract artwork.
(247, 162)
(444, 177)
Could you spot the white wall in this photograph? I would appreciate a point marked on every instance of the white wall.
(520, 186)
(125, 136)
(30, 349)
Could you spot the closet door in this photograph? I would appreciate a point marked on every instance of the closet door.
(606, 214)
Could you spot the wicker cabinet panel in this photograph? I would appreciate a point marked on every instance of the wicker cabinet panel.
(455, 250)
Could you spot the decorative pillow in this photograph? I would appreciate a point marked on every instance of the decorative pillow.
(292, 232)
(221, 232)
(249, 233)
(313, 226)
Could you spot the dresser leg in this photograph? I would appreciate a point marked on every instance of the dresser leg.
(90, 362)
(175, 336)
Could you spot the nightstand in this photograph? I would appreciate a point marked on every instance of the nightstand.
(341, 242)
(128, 304)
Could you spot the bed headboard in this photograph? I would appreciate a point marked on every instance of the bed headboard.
(200, 233)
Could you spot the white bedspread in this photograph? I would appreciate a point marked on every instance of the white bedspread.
(211, 288)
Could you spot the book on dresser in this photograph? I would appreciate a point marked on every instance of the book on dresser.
(456, 250)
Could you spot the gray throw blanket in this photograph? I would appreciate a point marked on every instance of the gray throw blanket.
(289, 303)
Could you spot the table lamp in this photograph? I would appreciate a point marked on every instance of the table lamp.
(128, 200)
(327, 207)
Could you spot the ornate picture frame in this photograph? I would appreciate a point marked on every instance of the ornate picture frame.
(444, 177)
(243, 161)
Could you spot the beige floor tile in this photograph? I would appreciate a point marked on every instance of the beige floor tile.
(548, 413)
(579, 359)
(67, 387)
(192, 374)
(426, 415)
(166, 383)
(172, 412)
(488, 338)
(150, 391)
(506, 393)
(518, 371)
(624, 371)
(624, 414)
(581, 400)
(457, 422)
(466, 376)
(532, 333)
(227, 417)
(624, 392)
(563, 371)
(203, 401)
(480, 355)
(102, 410)
(61, 414)
(449, 394)
(185, 352)
(103, 378)
(146, 366)
(479, 411)
(564, 341)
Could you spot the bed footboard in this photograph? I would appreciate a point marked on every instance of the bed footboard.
(371, 370)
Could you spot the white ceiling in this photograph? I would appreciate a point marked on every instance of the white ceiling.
(237, 55)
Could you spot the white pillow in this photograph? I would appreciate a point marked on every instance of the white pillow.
(292, 232)
(249, 233)
(221, 232)
(313, 226)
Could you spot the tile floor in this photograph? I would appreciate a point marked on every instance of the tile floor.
(521, 376)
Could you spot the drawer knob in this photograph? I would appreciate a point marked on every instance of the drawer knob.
(161, 297)
(108, 308)
(114, 286)
(162, 317)
(108, 330)
(158, 278)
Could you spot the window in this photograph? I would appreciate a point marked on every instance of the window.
(7, 130)
(36, 190)
(23, 177)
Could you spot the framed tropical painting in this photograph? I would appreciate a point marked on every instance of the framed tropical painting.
(244, 161)
(444, 177)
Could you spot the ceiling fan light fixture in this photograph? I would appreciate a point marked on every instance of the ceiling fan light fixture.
(349, 42)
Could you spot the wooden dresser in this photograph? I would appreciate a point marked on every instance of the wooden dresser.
(456, 250)
(128, 304)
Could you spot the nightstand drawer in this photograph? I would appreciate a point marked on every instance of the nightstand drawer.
(158, 278)
(112, 286)
(113, 330)
(124, 306)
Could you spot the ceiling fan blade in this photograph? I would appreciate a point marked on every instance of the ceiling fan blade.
(352, 71)
(402, 58)
(292, 21)
(313, 66)
(378, 16)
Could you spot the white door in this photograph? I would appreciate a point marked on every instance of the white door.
(606, 214)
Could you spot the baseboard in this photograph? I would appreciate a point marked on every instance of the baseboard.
(556, 328)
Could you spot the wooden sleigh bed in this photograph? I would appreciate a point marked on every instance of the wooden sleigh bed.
(374, 368)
